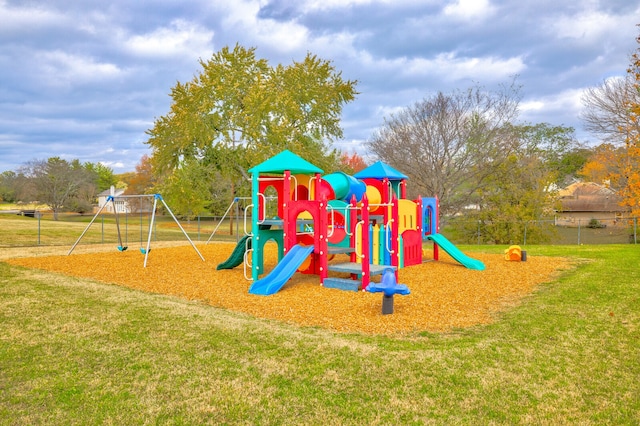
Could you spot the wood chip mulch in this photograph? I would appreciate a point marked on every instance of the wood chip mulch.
(444, 294)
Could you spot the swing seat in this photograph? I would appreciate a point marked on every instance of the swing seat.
(121, 248)
(143, 250)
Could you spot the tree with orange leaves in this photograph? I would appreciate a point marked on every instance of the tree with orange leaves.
(631, 165)
(143, 180)
(352, 163)
(603, 165)
(613, 112)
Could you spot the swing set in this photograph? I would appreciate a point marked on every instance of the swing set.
(236, 202)
(122, 247)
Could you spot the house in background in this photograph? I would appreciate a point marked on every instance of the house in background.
(128, 204)
(103, 197)
(581, 202)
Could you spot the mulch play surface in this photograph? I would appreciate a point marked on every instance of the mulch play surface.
(444, 294)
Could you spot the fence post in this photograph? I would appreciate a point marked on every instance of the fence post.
(579, 224)
(39, 216)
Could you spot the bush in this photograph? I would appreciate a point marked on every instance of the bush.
(595, 224)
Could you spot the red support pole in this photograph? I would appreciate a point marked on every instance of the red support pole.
(419, 222)
(288, 226)
(316, 187)
(353, 218)
(437, 215)
(321, 239)
(395, 229)
(436, 218)
(366, 261)
(387, 188)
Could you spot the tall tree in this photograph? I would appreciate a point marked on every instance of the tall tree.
(57, 182)
(615, 114)
(573, 161)
(606, 112)
(555, 146)
(451, 144)
(603, 165)
(187, 189)
(631, 166)
(352, 163)
(8, 186)
(104, 175)
(239, 111)
(520, 191)
(143, 180)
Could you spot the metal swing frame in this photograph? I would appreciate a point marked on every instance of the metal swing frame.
(156, 197)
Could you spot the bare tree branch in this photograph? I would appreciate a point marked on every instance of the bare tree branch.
(606, 111)
(449, 144)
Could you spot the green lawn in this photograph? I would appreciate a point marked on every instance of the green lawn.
(73, 351)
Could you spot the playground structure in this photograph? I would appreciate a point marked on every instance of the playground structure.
(365, 216)
(127, 198)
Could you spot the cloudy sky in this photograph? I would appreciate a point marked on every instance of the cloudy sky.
(85, 79)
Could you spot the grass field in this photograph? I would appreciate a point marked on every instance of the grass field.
(73, 351)
(16, 230)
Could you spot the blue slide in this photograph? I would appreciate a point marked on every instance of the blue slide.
(284, 270)
(454, 252)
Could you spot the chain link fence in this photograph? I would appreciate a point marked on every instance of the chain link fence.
(33, 228)
(132, 230)
(548, 231)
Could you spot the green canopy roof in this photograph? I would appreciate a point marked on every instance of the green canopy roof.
(379, 170)
(286, 160)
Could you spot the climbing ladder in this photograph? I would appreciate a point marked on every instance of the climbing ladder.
(361, 265)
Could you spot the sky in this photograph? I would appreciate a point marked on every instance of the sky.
(86, 79)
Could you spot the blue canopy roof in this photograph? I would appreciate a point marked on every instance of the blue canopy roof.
(380, 170)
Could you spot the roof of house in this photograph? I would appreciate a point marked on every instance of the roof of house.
(107, 192)
(589, 197)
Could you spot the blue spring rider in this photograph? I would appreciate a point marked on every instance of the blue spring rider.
(389, 287)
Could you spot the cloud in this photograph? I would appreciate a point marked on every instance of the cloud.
(286, 9)
(560, 108)
(469, 10)
(263, 31)
(65, 68)
(86, 80)
(23, 19)
(447, 67)
(452, 67)
(587, 27)
(179, 38)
